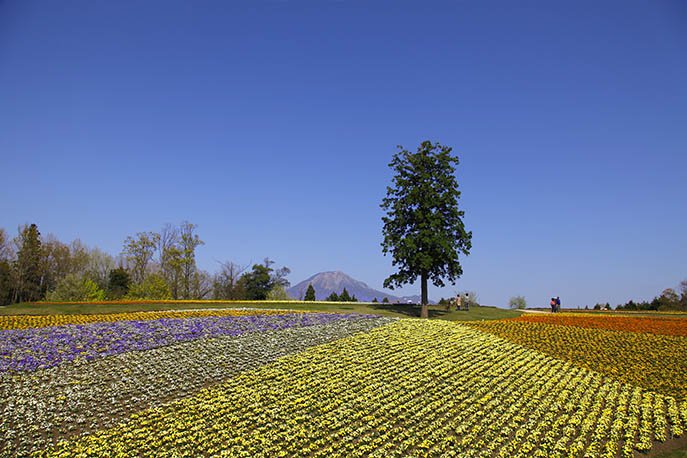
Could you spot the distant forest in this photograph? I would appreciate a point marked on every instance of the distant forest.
(151, 265)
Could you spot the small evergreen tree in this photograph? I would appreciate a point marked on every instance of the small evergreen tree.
(374, 300)
(310, 293)
(345, 297)
(385, 300)
(333, 297)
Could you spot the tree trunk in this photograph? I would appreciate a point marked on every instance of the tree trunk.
(423, 285)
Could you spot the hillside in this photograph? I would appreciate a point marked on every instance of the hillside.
(326, 283)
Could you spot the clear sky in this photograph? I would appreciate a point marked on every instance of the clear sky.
(270, 125)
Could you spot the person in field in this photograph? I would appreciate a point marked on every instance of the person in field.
(558, 304)
(553, 305)
(459, 302)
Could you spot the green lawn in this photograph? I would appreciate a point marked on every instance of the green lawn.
(392, 310)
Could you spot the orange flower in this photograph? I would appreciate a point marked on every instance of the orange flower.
(653, 325)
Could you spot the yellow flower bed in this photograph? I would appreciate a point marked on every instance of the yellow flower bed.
(412, 388)
(655, 362)
(41, 321)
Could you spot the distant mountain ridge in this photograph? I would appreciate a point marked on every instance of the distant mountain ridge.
(326, 283)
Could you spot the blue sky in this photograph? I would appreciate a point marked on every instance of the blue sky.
(270, 125)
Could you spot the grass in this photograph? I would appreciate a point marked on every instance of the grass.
(390, 310)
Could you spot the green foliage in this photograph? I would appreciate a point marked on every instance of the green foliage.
(669, 300)
(375, 300)
(518, 302)
(29, 265)
(310, 293)
(385, 300)
(345, 296)
(5, 283)
(72, 288)
(188, 242)
(261, 279)
(278, 293)
(423, 228)
(118, 285)
(153, 287)
(257, 283)
(333, 297)
(138, 252)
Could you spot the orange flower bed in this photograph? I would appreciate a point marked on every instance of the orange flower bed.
(653, 325)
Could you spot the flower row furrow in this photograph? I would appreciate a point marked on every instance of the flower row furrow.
(655, 325)
(654, 362)
(39, 407)
(43, 321)
(41, 348)
(412, 388)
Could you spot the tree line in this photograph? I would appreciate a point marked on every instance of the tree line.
(669, 300)
(151, 265)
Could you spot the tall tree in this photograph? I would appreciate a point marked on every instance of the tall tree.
(29, 265)
(7, 280)
(169, 257)
(423, 227)
(310, 293)
(138, 252)
(188, 242)
(57, 262)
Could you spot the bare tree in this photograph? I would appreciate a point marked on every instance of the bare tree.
(6, 250)
(202, 285)
(99, 266)
(226, 283)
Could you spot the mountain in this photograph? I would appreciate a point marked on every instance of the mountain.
(326, 283)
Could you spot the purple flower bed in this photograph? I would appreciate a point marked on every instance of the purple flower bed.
(38, 348)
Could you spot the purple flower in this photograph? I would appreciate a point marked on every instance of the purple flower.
(38, 348)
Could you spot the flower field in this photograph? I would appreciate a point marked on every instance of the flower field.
(40, 321)
(321, 385)
(656, 362)
(654, 325)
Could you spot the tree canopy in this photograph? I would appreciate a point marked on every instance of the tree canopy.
(423, 227)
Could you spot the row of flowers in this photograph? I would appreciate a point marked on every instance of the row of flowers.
(412, 388)
(654, 325)
(42, 321)
(654, 362)
(37, 408)
(40, 348)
